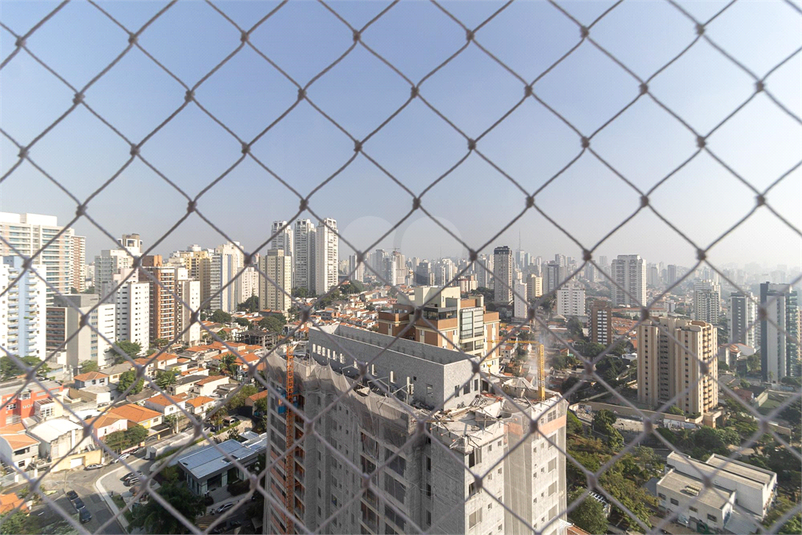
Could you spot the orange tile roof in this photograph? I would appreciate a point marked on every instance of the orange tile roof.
(167, 356)
(88, 376)
(17, 441)
(12, 429)
(10, 501)
(200, 400)
(258, 395)
(134, 413)
(144, 362)
(104, 420)
(211, 379)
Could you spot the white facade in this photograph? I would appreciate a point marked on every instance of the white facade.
(189, 291)
(706, 301)
(133, 313)
(520, 303)
(27, 234)
(534, 286)
(571, 300)
(23, 309)
(247, 284)
(284, 239)
(278, 268)
(326, 256)
(303, 256)
(104, 319)
(227, 262)
(107, 265)
(629, 274)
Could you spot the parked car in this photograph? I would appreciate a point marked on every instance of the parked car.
(121, 457)
(93, 466)
(84, 515)
(225, 507)
(130, 475)
(130, 482)
(72, 495)
(79, 504)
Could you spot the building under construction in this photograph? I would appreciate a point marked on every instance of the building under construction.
(365, 464)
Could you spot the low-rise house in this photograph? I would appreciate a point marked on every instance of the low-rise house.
(91, 379)
(148, 364)
(167, 405)
(251, 401)
(137, 415)
(185, 384)
(207, 386)
(99, 395)
(165, 360)
(18, 398)
(16, 447)
(114, 372)
(106, 424)
(58, 438)
(208, 468)
(200, 405)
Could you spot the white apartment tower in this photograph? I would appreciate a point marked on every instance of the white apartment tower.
(189, 300)
(227, 262)
(743, 325)
(520, 302)
(706, 301)
(278, 267)
(284, 239)
(484, 271)
(23, 308)
(571, 299)
(629, 273)
(326, 256)
(534, 286)
(502, 275)
(113, 261)
(27, 234)
(133, 311)
(304, 254)
(78, 263)
(64, 332)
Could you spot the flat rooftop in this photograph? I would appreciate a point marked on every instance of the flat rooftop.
(208, 461)
(691, 488)
(755, 473)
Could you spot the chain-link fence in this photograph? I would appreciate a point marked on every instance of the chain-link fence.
(408, 436)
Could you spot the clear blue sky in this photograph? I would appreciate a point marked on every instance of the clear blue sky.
(247, 94)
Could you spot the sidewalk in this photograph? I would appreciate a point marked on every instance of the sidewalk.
(103, 493)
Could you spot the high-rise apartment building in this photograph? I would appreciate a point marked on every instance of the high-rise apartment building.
(284, 239)
(248, 283)
(554, 275)
(304, 254)
(778, 351)
(425, 483)
(502, 275)
(78, 263)
(668, 367)
(706, 301)
(743, 325)
(162, 305)
(133, 311)
(629, 274)
(111, 262)
(27, 234)
(326, 256)
(188, 291)
(23, 308)
(600, 323)
(82, 344)
(534, 286)
(450, 322)
(225, 267)
(520, 303)
(278, 267)
(571, 299)
(484, 271)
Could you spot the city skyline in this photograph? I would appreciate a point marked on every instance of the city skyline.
(531, 145)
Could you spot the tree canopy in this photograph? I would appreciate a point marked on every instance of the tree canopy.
(165, 378)
(88, 366)
(154, 518)
(238, 400)
(249, 305)
(218, 316)
(126, 378)
(130, 349)
(273, 323)
(9, 368)
(589, 515)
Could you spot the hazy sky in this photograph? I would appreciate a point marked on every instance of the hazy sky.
(644, 144)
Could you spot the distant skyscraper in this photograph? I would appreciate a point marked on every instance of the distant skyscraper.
(278, 267)
(23, 308)
(600, 323)
(571, 299)
(706, 301)
(779, 353)
(423, 274)
(554, 275)
(161, 298)
(189, 300)
(502, 274)
(629, 274)
(534, 286)
(667, 367)
(326, 256)
(110, 262)
(133, 311)
(78, 263)
(228, 260)
(64, 325)
(671, 276)
(27, 234)
(520, 304)
(303, 257)
(742, 320)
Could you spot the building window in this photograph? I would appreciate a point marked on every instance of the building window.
(474, 518)
(475, 457)
(694, 509)
(456, 391)
(396, 489)
(712, 518)
(552, 464)
(674, 502)
(661, 495)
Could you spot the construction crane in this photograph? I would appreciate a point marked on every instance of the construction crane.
(541, 373)
(289, 461)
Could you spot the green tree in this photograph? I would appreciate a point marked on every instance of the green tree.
(160, 342)
(242, 322)
(673, 409)
(130, 350)
(589, 515)
(249, 305)
(88, 366)
(228, 364)
(274, 323)
(18, 523)
(89, 290)
(351, 287)
(223, 335)
(165, 378)
(300, 292)
(574, 424)
(126, 379)
(154, 518)
(122, 440)
(238, 400)
(9, 368)
(781, 506)
(602, 424)
(172, 421)
(218, 316)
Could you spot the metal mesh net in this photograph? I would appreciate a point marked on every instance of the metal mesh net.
(502, 439)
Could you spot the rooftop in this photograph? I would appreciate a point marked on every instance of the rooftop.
(716, 498)
(199, 400)
(208, 461)
(134, 413)
(211, 379)
(89, 376)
